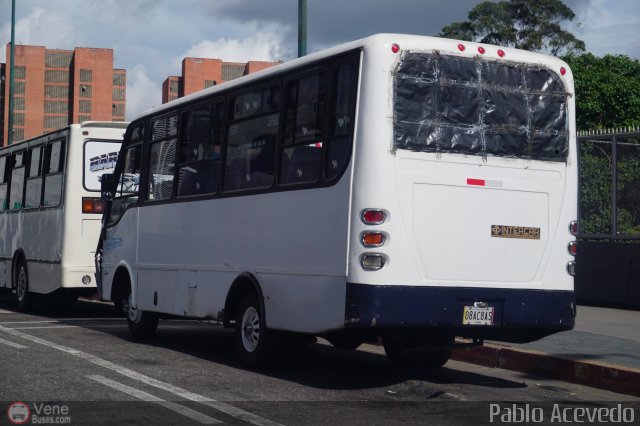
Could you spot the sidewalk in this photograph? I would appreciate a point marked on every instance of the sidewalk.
(603, 350)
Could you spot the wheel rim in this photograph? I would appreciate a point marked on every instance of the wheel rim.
(22, 283)
(250, 329)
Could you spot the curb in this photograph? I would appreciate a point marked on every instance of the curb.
(600, 375)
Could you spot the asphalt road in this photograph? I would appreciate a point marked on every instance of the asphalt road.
(80, 364)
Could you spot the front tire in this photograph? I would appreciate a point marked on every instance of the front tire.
(142, 324)
(256, 346)
(24, 298)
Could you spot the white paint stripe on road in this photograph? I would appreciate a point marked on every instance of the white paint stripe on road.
(218, 405)
(13, 345)
(147, 397)
(30, 322)
(2, 311)
(44, 326)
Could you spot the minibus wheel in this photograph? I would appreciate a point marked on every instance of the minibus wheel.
(24, 298)
(255, 344)
(142, 324)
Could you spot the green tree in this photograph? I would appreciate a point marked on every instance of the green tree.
(607, 90)
(525, 24)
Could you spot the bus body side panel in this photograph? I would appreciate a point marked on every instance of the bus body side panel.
(188, 259)
(120, 242)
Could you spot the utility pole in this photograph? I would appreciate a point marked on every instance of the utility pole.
(11, 76)
(302, 28)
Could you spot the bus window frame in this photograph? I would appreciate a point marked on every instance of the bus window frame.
(39, 176)
(45, 170)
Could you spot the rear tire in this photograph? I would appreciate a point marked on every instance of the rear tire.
(24, 298)
(418, 349)
(256, 346)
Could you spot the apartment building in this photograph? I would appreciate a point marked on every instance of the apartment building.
(54, 88)
(201, 73)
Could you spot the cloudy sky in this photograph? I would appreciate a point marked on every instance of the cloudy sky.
(150, 37)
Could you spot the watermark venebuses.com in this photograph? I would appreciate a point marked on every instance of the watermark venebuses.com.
(560, 413)
(20, 413)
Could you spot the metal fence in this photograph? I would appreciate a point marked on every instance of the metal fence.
(609, 180)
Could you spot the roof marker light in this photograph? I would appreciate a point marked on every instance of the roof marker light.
(481, 50)
(461, 47)
(563, 70)
(395, 48)
(476, 182)
(501, 53)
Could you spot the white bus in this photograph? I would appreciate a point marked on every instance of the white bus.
(50, 209)
(403, 187)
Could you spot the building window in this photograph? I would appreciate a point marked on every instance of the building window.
(56, 92)
(18, 135)
(56, 107)
(19, 88)
(85, 106)
(19, 103)
(118, 94)
(173, 86)
(229, 71)
(57, 59)
(86, 76)
(117, 110)
(20, 72)
(55, 122)
(56, 76)
(82, 118)
(18, 119)
(209, 83)
(86, 91)
(119, 79)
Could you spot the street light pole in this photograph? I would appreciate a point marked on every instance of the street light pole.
(302, 28)
(11, 73)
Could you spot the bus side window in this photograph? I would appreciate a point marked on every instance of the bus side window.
(128, 183)
(17, 181)
(3, 182)
(199, 151)
(33, 193)
(301, 156)
(53, 170)
(250, 156)
(341, 130)
(162, 158)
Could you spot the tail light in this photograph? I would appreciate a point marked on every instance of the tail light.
(372, 261)
(373, 216)
(573, 228)
(372, 239)
(571, 268)
(573, 248)
(92, 205)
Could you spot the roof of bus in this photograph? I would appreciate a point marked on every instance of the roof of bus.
(406, 41)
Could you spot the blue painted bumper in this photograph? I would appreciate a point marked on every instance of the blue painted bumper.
(520, 315)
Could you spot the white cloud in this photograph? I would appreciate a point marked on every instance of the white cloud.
(264, 44)
(142, 92)
(38, 26)
(607, 27)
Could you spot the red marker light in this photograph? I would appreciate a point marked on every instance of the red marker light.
(501, 53)
(461, 47)
(395, 48)
(373, 216)
(563, 70)
(476, 182)
(481, 50)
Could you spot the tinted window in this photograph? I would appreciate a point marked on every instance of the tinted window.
(200, 150)
(162, 158)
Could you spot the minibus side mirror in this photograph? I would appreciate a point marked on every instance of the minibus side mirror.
(106, 186)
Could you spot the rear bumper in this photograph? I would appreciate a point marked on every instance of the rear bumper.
(520, 315)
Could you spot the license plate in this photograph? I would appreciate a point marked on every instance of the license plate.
(473, 315)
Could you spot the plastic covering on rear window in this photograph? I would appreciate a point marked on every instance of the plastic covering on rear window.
(445, 103)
